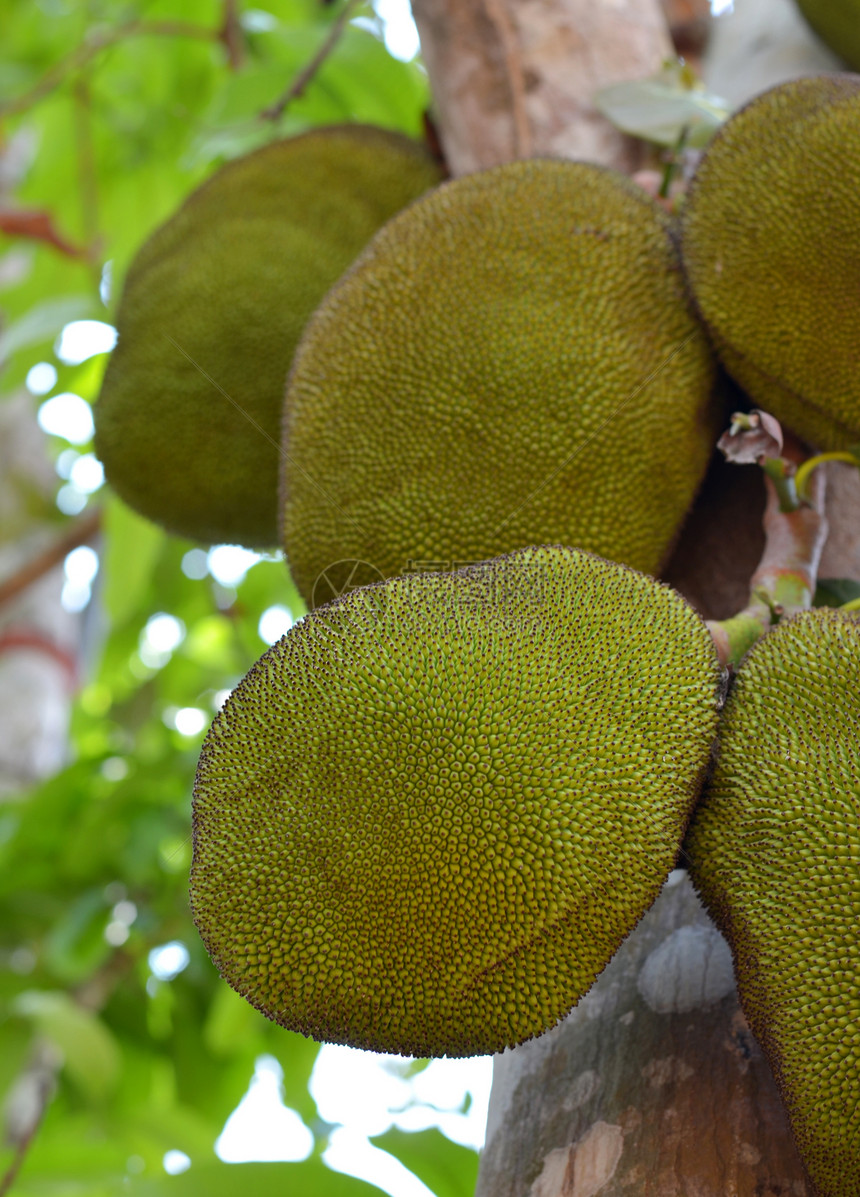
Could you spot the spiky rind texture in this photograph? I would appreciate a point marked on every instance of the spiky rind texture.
(775, 850)
(189, 419)
(837, 23)
(771, 246)
(512, 361)
(428, 816)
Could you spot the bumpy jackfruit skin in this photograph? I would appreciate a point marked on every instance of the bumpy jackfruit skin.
(512, 361)
(428, 816)
(775, 850)
(837, 23)
(188, 421)
(771, 246)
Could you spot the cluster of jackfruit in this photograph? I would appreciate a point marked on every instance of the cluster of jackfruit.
(428, 816)
(513, 360)
(557, 373)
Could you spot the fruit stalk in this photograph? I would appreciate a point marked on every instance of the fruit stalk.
(784, 581)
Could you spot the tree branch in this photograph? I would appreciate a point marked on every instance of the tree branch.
(38, 225)
(231, 35)
(43, 1077)
(34, 640)
(306, 74)
(81, 531)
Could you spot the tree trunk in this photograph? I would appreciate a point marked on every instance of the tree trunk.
(653, 1085)
(514, 78)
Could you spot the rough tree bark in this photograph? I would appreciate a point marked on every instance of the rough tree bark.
(515, 80)
(653, 1085)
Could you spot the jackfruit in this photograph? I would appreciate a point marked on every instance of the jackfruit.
(775, 850)
(188, 422)
(837, 23)
(771, 246)
(512, 361)
(428, 816)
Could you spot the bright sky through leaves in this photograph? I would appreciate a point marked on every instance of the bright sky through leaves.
(168, 960)
(262, 1127)
(274, 623)
(41, 378)
(228, 563)
(69, 416)
(399, 30)
(83, 339)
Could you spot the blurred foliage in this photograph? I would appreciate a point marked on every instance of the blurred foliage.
(834, 592)
(111, 111)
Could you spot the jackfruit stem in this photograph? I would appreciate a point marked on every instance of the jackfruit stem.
(673, 163)
(784, 582)
(781, 473)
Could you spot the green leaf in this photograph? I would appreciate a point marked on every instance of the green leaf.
(834, 592)
(448, 1169)
(297, 1057)
(131, 549)
(75, 946)
(230, 1022)
(15, 1049)
(660, 108)
(90, 1053)
(71, 1158)
(44, 322)
(308, 1179)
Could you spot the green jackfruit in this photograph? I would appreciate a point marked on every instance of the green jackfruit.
(428, 816)
(771, 246)
(837, 23)
(775, 848)
(512, 361)
(188, 422)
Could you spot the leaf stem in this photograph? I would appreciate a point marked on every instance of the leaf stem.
(79, 533)
(804, 471)
(671, 163)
